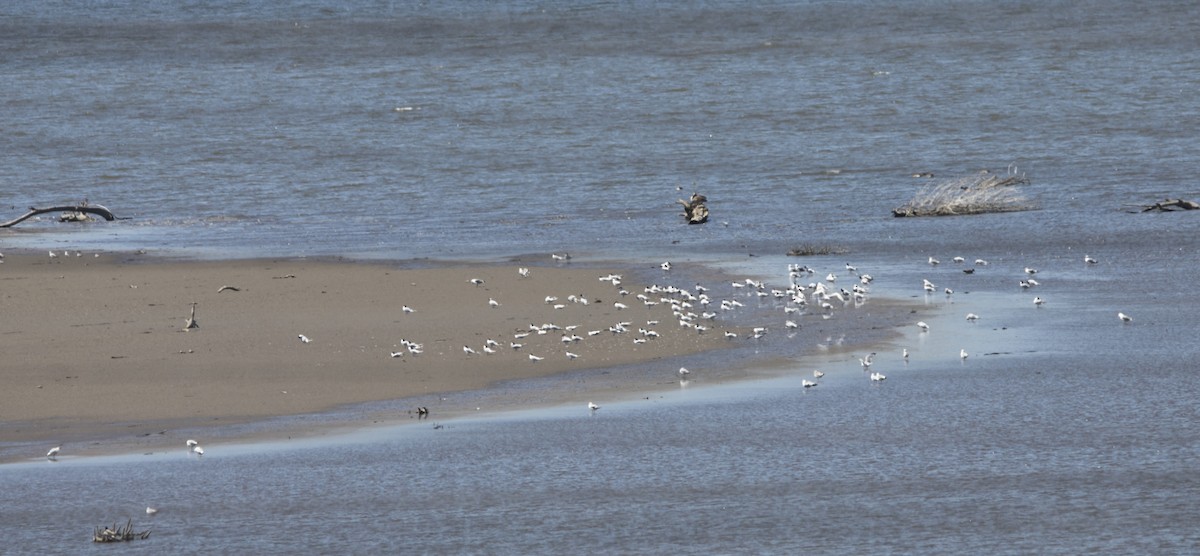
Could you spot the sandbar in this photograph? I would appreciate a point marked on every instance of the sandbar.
(95, 351)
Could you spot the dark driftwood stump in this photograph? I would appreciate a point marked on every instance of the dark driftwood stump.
(694, 209)
(70, 209)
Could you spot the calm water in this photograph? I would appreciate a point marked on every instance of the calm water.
(454, 130)
(234, 128)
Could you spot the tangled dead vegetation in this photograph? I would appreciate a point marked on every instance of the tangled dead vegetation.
(118, 534)
(816, 249)
(975, 194)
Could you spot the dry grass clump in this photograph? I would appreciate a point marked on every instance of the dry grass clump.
(976, 194)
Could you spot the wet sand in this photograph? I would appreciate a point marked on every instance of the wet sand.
(95, 349)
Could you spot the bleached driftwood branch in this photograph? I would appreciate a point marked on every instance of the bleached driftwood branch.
(98, 210)
(975, 194)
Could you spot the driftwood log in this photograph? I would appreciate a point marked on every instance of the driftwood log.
(1169, 205)
(118, 534)
(694, 209)
(71, 213)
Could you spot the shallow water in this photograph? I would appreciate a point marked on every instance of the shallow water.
(926, 463)
(246, 129)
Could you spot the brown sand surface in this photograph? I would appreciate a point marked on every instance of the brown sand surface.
(96, 349)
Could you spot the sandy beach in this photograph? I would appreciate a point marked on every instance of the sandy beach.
(96, 350)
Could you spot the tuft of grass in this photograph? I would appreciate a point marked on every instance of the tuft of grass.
(816, 249)
(976, 194)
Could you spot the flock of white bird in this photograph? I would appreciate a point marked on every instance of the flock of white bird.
(802, 295)
(695, 310)
(54, 255)
(193, 446)
(929, 288)
(692, 308)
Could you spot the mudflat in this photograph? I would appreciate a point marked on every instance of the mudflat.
(97, 347)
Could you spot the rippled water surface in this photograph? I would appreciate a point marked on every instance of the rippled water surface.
(452, 129)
